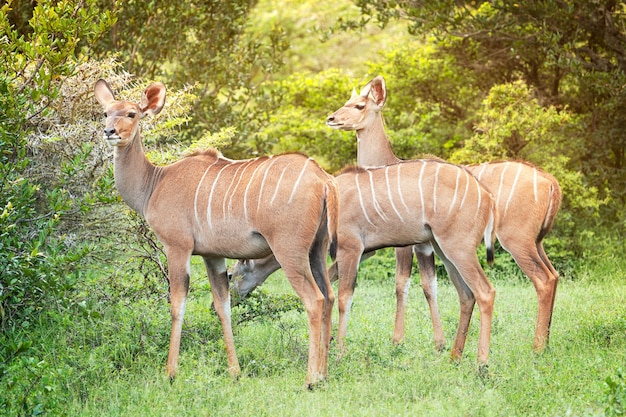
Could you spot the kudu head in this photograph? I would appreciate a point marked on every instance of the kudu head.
(358, 112)
(122, 117)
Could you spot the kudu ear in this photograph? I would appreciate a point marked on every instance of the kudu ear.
(378, 91)
(365, 91)
(103, 92)
(152, 99)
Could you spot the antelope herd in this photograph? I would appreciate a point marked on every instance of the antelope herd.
(286, 212)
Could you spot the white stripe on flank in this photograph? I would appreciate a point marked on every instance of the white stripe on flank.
(468, 178)
(245, 193)
(280, 179)
(390, 195)
(422, 191)
(208, 205)
(506, 165)
(295, 186)
(374, 200)
(435, 190)
(482, 169)
(456, 190)
(519, 170)
(263, 183)
(195, 199)
(535, 184)
(232, 181)
(358, 188)
(480, 196)
(234, 193)
(400, 189)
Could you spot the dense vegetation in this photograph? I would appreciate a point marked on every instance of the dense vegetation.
(468, 81)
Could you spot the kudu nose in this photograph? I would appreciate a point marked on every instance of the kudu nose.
(109, 132)
(330, 119)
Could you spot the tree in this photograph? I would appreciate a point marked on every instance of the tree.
(205, 44)
(571, 54)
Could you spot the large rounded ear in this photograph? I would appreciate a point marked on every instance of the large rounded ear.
(103, 92)
(152, 99)
(378, 91)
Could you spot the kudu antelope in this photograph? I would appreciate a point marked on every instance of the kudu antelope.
(403, 204)
(527, 201)
(218, 208)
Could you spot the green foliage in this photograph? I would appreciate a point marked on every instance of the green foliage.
(616, 395)
(261, 305)
(431, 99)
(38, 262)
(206, 44)
(84, 317)
(36, 60)
(306, 101)
(513, 125)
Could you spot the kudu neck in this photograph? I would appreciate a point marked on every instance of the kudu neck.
(135, 176)
(373, 147)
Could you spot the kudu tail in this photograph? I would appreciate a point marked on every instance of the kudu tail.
(490, 234)
(553, 209)
(326, 237)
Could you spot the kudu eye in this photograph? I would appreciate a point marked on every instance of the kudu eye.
(132, 114)
(105, 114)
(359, 106)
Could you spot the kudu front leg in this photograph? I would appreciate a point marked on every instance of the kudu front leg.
(218, 277)
(404, 263)
(178, 265)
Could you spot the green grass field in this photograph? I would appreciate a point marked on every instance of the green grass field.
(112, 363)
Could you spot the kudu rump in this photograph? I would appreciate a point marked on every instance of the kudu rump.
(403, 204)
(527, 201)
(218, 208)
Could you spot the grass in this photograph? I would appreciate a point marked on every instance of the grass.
(111, 361)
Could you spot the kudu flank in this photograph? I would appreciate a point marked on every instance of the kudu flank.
(218, 208)
(527, 201)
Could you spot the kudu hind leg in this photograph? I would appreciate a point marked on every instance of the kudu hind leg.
(473, 286)
(317, 259)
(298, 272)
(475, 279)
(555, 274)
(218, 277)
(533, 265)
(466, 307)
(428, 277)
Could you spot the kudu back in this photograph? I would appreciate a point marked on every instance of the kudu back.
(219, 208)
